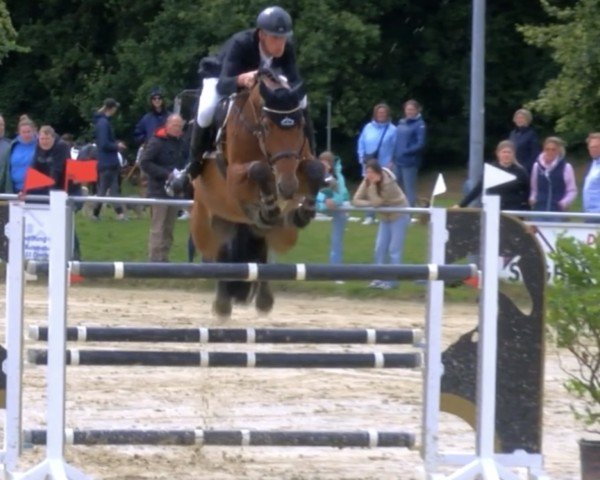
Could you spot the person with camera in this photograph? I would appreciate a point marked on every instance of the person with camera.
(377, 141)
(380, 189)
(162, 160)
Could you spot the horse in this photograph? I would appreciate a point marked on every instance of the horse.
(258, 189)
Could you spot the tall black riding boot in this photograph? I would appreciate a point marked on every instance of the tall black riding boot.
(200, 143)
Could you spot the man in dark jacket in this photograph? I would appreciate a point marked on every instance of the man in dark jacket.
(108, 147)
(165, 154)
(268, 45)
(50, 157)
(153, 119)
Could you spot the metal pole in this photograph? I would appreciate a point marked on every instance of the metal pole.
(477, 111)
(329, 122)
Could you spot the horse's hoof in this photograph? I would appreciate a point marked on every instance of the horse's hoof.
(222, 309)
(270, 217)
(264, 303)
(302, 218)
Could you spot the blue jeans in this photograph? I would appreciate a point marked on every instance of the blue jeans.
(338, 226)
(407, 179)
(390, 241)
(108, 180)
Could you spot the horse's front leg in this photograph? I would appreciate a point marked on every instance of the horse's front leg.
(314, 173)
(262, 175)
(264, 298)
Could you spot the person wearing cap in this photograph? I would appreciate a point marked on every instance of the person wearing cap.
(235, 67)
(153, 119)
(109, 166)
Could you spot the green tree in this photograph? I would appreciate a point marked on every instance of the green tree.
(8, 35)
(572, 96)
(357, 53)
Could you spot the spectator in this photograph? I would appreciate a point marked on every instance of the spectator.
(50, 158)
(109, 166)
(69, 139)
(553, 187)
(165, 154)
(380, 189)
(591, 184)
(410, 143)
(514, 195)
(18, 157)
(4, 142)
(527, 144)
(153, 119)
(330, 199)
(51, 154)
(376, 141)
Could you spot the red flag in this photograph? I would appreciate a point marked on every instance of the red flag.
(75, 278)
(472, 282)
(81, 171)
(35, 179)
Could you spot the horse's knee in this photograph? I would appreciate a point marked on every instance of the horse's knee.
(260, 173)
(314, 172)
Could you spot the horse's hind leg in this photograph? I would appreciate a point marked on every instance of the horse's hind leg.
(222, 304)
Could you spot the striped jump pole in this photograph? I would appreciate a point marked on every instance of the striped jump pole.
(235, 335)
(262, 271)
(231, 359)
(254, 438)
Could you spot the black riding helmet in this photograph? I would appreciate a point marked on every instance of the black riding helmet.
(275, 21)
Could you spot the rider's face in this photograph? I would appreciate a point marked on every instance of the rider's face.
(272, 45)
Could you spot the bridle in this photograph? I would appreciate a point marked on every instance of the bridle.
(289, 119)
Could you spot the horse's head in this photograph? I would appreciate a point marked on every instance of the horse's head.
(282, 124)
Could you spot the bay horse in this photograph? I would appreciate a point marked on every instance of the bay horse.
(258, 189)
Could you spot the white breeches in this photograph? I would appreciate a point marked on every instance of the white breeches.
(209, 98)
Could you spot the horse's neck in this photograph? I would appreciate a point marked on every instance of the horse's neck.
(242, 123)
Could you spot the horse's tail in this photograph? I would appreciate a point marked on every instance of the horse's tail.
(245, 247)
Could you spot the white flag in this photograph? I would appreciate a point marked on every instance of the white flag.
(440, 186)
(493, 176)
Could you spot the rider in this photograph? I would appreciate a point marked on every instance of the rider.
(236, 65)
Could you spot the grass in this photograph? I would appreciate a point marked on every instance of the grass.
(110, 240)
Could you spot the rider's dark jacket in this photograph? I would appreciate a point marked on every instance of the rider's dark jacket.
(241, 54)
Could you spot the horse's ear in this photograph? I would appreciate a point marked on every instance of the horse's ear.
(297, 90)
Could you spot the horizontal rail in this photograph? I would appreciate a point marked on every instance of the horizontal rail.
(338, 439)
(367, 336)
(231, 359)
(262, 271)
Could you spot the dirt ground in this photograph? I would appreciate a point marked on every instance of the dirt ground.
(228, 398)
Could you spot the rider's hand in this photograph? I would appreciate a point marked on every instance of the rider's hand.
(247, 79)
